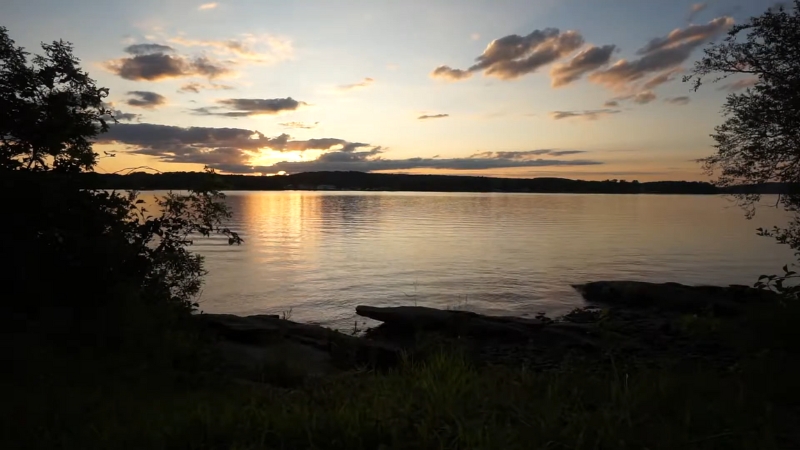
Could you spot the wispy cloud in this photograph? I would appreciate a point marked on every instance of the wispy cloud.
(683, 100)
(662, 78)
(645, 97)
(195, 87)
(521, 155)
(145, 99)
(738, 85)
(641, 98)
(245, 107)
(361, 84)
(696, 9)
(118, 114)
(260, 49)
(432, 116)
(592, 114)
(299, 125)
(207, 6)
(584, 62)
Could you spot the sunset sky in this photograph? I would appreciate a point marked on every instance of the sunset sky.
(585, 89)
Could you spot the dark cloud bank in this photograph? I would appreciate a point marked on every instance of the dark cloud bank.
(231, 149)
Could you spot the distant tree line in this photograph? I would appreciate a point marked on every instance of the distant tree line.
(425, 183)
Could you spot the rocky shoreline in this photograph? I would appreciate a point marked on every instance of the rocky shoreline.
(624, 318)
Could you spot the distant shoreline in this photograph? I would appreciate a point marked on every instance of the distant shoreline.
(362, 181)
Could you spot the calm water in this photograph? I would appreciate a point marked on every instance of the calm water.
(322, 253)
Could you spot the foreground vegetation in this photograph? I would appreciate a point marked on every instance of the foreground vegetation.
(75, 399)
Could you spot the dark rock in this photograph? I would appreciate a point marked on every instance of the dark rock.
(673, 297)
(253, 340)
(418, 318)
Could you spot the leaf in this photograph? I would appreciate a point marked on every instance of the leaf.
(139, 202)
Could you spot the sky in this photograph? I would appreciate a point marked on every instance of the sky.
(587, 89)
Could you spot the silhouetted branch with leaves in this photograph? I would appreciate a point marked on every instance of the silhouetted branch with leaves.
(759, 141)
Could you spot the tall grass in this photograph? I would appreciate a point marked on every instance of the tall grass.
(54, 399)
(442, 402)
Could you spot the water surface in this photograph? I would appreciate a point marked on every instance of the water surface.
(322, 253)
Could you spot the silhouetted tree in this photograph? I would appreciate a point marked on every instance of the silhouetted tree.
(49, 109)
(759, 141)
(76, 249)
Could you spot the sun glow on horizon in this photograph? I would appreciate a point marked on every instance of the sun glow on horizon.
(269, 157)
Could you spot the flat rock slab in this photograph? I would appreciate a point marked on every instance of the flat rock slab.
(419, 318)
(673, 297)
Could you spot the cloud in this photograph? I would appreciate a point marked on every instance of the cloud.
(207, 6)
(370, 161)
(611, 104)
(738, 85)
(118, 114)
(695, 34)
(145, 99)
(209, 68)
(153, 138)
(678, 100)
(299, 125)
(450, 74)
(195, 87)
(244, 107)
(696, 9)
(660, 54)
(641, 98)
(432, 116)
(361, 84)
(592, 114)
(153, 62)
(475, 36)
(146, 49)
(662, 78)
(233, 150)
(584, 62)
(526, 154)
(513, 56)
(645, 97)
(259, 49)
(204, 145)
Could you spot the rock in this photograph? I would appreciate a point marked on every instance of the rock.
(419, 318)
(252, 341)
(673, 297)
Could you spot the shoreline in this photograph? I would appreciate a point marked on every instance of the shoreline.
(647, 317)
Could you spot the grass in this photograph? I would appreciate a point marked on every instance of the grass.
(64, 401)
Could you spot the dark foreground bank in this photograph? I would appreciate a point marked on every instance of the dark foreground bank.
(642, 366)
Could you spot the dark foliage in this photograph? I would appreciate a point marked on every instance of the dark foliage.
(81, 262)
(759, 141)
